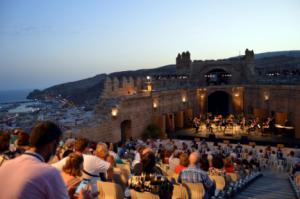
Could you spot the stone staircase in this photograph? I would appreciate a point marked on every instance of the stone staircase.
(272, 185)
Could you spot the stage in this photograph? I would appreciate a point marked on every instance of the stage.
(236, 136)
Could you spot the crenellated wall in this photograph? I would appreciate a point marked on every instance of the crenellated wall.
(124, 86)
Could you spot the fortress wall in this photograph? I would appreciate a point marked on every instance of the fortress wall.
(124, 86)
(283, 100)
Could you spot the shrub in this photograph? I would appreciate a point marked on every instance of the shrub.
(152, 131)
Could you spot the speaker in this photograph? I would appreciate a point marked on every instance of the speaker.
(244, 139)
(212, 137)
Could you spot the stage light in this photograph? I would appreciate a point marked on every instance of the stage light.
(149, 88)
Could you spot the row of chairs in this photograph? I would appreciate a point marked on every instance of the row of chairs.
(295, 182)
(110, 190)
(186, 190)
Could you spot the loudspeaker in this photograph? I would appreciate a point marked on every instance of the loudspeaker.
(244, 139)
(212, 137)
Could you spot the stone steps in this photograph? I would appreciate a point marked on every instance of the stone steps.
(271, 185)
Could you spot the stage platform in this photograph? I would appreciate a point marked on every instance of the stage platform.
(236, 137)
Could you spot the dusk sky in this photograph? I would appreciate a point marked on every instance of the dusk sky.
(43, 43)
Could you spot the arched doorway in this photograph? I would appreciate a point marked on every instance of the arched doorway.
(217, 77)
(125, 130)
(218, 103)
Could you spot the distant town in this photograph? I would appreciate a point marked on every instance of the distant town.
(25, 114)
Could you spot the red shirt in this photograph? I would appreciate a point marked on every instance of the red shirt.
(229, 169)
(179, 168)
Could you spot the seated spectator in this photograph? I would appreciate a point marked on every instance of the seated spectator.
(22, 142)
(149, 177)
(92, 165)
(174, 160)
(183, 163)
(217, 166)
(5, 154)
(193, 174)
(137, 156)
(122, 150)
(113, 151)
(228, 165)
(204, 163)
(30, 174)
(71, 172)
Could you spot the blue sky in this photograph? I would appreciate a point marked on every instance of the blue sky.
(46, 42)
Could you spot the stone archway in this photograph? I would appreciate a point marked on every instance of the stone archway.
(125, 130)
(219, 103)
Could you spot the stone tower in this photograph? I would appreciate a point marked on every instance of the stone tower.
(183, 63)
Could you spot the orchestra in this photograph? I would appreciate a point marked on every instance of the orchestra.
(231, 124)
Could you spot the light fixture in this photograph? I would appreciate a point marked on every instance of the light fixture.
(266, 97)
(202, 96)
(154, 105)
(114, 112)
(183, 99)
(236, 94)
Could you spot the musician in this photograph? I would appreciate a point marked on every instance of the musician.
(208, 125)
(243, 123)
(196, 122)
(224, 125)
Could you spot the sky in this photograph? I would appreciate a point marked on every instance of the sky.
(46, 42)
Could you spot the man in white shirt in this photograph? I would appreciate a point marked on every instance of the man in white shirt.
(29, 176)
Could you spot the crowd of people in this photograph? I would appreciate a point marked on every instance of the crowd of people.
(44, 165)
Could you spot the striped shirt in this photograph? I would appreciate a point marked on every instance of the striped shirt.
(193, 174)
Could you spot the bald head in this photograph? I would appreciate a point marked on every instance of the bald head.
(194, 158)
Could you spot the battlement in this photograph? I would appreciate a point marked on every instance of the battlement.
(123, 86)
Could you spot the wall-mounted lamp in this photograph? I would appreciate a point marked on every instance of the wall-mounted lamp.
(202, 96)
(114, 112)
(183, 99)
(154, 105)
(236, 95)
(266, 97)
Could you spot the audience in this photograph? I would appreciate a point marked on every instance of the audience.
(151, 162)
(149, 177)
(183, 163)
(29, 176)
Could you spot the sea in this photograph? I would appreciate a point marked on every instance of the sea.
(10, 96)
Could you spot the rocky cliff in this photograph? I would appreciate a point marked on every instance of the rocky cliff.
(86, 91)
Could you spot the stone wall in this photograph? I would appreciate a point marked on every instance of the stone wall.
(173, 109)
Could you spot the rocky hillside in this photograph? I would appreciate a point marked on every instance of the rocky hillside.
(86, 91)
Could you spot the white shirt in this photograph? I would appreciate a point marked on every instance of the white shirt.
(91, 164)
